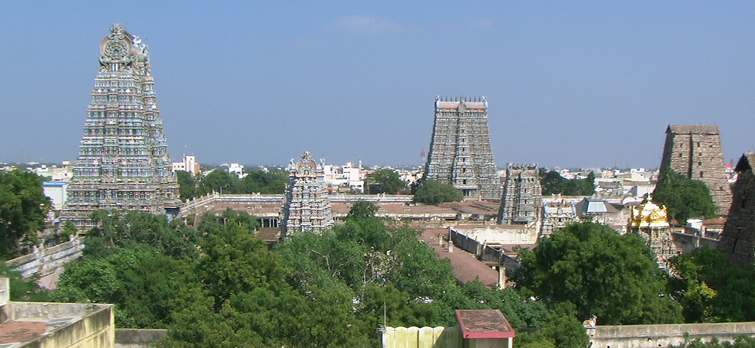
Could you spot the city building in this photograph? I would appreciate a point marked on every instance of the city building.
(307, 207)
(460, 151)
(738, 238)
(57, 191)
(188, 164)
(54, 325)
(522, 196)
(695, 152)
(123, 160)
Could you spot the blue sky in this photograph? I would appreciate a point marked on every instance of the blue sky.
(570, 83)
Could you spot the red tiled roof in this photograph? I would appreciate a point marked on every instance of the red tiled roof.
(483, 323)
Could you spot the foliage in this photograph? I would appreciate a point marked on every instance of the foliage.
(21, 289)
(116, 230)
(68, 230)
(710, 290)
(272, 181)
(187, 185)
(387, 180)
(23, 208)
(553, 183)
(601, 273)
(434, 192)
(685, 198)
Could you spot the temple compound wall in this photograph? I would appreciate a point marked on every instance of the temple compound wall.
(647, 336)
(460, 150)
(738, 238)
(695, 152)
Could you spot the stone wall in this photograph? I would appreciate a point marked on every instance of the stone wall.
(45, 261)
(646, 336)
(138, 338)
(689, 242)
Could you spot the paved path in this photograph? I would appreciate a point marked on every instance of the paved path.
(466, 267)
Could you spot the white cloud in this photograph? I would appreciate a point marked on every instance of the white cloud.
(365, 25)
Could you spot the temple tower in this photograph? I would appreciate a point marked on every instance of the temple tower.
(123, 160)
(307, 207)
(695, 152)
(522, 199)
(460, 151)
(651, 222)
(738, 238)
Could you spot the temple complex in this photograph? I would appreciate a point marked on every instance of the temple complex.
(651, 221)
(695, 152)
(306, 207)
(123, 160)
(522, 196)
(738, 238)
(460, 151)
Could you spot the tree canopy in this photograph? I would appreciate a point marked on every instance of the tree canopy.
(434, 192)
(386, 180)
(685, 198)
(23, 209)
(600, 272)
(256, 180)
(553, 183)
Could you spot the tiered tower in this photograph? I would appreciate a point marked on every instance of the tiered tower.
(123, 160)
(651, 221)
(460, 151)
(695, 152)
(522, 199)
(738, 238)
(307, 207)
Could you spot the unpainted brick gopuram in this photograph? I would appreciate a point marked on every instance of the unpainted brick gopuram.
(695, 152)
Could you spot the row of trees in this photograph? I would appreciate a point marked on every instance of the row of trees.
(218, 285)
(23, 209)
(272, 181)
(553, 183)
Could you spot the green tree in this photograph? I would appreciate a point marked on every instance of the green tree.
(220, 181)
(600, 272)
(553, 183)
(272, 181)
(685, 198)
(434, 192)
(711, 290)
(23, 209)
(387, 180)
(187, 186)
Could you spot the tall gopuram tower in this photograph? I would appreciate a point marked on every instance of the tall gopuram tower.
(695, 152)
(738, 238)
(460, 151)
(651, 222)
(307, 207)
(522, 199)
(123, 160)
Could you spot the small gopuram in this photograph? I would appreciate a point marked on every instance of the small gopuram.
(460, 151)
(307, 207)
(123, 160)
(651, 221)
(738, 238)
(522, 199)
(695, 152)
